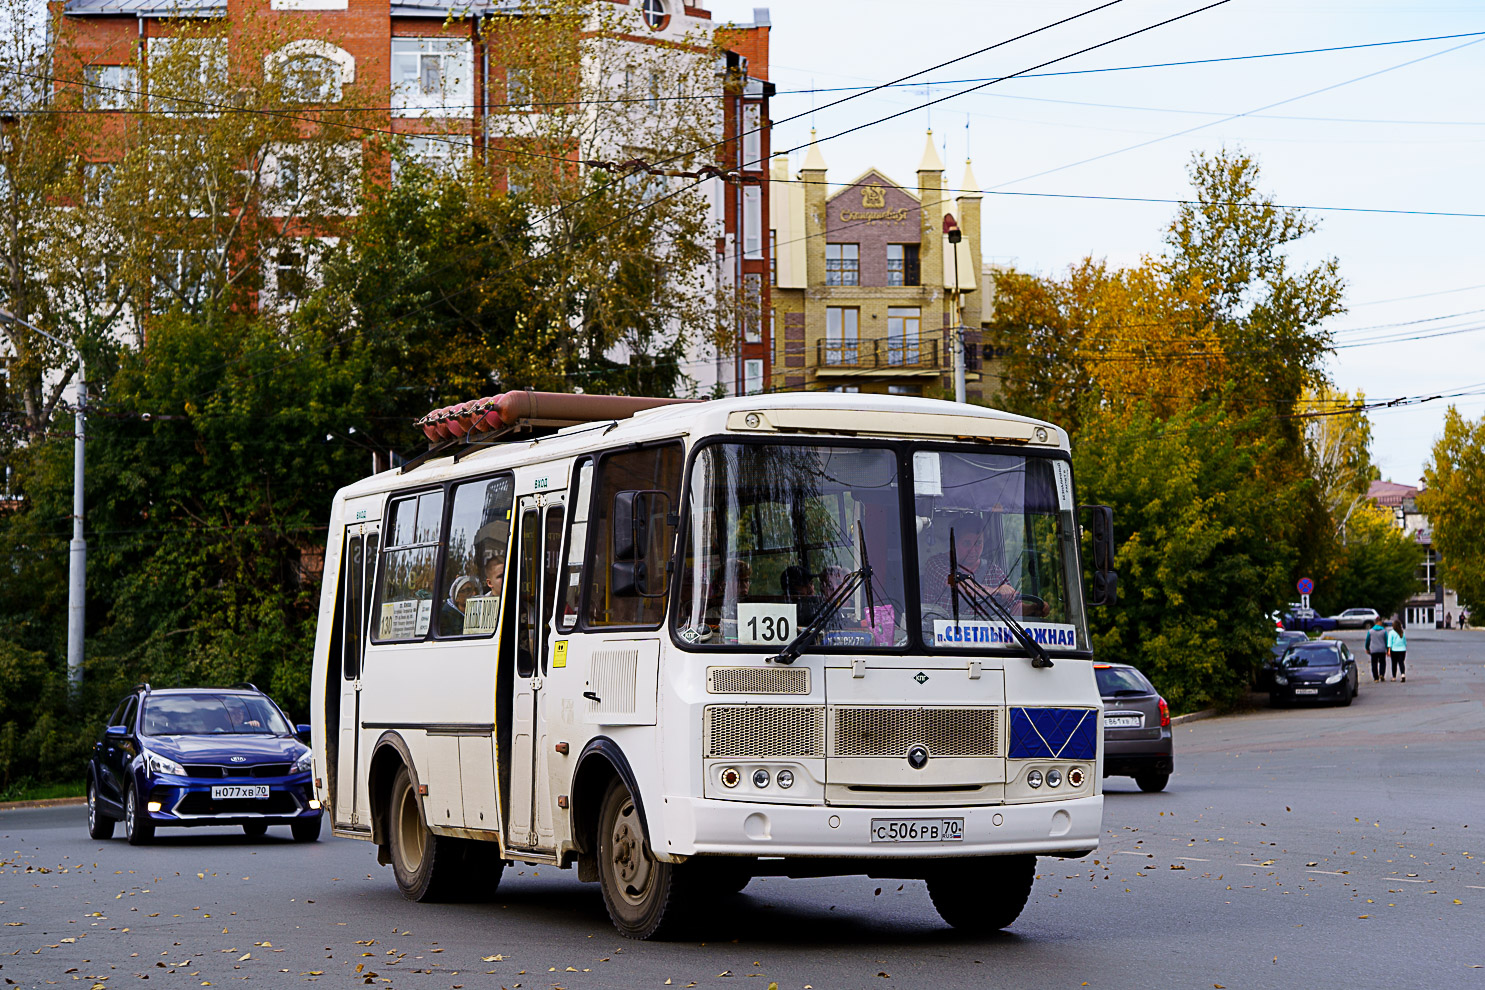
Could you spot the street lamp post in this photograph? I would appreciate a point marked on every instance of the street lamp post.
(77, 558)
(951, 228)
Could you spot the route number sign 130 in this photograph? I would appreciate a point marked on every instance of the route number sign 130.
(766, 623)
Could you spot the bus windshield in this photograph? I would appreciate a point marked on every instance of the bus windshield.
(782, 536)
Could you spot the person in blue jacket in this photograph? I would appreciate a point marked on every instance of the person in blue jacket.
(1397, 649)
(1376, 645)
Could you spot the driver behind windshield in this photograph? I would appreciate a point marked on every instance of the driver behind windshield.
(969, 531)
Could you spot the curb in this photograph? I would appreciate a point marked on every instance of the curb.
(48, 803)
(1194, 716)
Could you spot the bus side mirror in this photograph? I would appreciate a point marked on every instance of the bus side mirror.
(638, 517)
(1105, 589)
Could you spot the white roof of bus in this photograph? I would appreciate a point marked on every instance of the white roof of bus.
(695, 419)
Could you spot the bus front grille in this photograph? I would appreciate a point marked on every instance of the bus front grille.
(758, 680)
(764, 731)
(890, 732)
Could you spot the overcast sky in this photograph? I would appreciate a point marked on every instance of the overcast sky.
(1382, 135)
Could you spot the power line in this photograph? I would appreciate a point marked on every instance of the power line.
(1223, 120)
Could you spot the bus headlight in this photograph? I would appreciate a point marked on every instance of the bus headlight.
(760, 778)
(785, 779)
(1034, 779)
(1054, 778)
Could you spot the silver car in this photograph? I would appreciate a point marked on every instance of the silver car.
(1136, 727)
(1356, 618)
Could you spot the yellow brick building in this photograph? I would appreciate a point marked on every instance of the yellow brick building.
(865, 289)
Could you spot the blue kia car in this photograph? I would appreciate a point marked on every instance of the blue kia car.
(201, 756)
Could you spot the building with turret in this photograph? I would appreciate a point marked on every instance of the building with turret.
(868, 286)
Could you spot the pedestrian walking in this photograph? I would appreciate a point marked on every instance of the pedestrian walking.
(1397, 649)
(1376, 645)
(1464, 618)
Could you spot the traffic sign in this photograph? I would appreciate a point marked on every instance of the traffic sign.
(1306, 586)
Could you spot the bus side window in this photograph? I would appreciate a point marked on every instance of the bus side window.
(647, 469)
(405, 589)
(577, 544)
(474, 557)
(551, 550)
(354, 568)
(527, 602)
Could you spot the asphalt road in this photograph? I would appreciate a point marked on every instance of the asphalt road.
(1315, 848)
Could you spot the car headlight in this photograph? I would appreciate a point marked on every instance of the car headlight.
(1335, 678)
(159, 764)
(1280, 679)
(303, 764)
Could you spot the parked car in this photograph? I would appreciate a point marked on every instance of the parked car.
(195, 756)
(1308, 620)
(1320, 670)
(1136, 727)
(1282, 642)
(1356, 618)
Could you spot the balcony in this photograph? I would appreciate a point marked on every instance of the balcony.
(888, 355)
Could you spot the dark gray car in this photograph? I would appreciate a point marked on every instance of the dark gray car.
(1136, 727)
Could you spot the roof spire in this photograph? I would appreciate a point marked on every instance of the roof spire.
(969, 185)
(813, 160)
(931, 161)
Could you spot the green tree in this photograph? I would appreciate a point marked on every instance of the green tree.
(1454, 501)
(1195, 515)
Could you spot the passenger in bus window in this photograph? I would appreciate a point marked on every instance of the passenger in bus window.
(797, 583)
(494, 573)
(451, 619)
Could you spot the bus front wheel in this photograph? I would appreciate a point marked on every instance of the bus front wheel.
(424, 864)
(644, 896)
(983, 895)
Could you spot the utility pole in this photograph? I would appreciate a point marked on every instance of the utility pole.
(77, 568)
(951, 228)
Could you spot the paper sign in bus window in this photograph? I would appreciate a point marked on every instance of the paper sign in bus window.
(481, 615)
(399, 620)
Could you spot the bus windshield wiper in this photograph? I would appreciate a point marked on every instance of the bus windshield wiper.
(832, 605)
(963, 583)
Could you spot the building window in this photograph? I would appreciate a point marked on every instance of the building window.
(842, 264)
(655, 14)
(773, 321)
(845, 388)
(432, 77)
(753, 308)
(98, 182)
(752, 135)
(752, 223)
(904, 389)
(841, 346)
(517, 89)
(311, 79)
(185, 72)
(654, 90)
(442, 154)
(903, 323)
(773, 257)
(752, 376)
(902, 264)
(290, 278)
(110, 87)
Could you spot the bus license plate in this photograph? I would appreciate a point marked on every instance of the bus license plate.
(917, 829)
(222, 791)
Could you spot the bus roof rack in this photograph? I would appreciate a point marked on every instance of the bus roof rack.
(457, 429)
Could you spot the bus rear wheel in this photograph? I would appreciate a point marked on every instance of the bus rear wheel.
(983, 895)
(645, 897)
(425, 865)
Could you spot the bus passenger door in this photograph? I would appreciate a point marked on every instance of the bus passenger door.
(538, 543)
(359, 564)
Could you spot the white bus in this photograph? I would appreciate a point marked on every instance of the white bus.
(682, 646)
